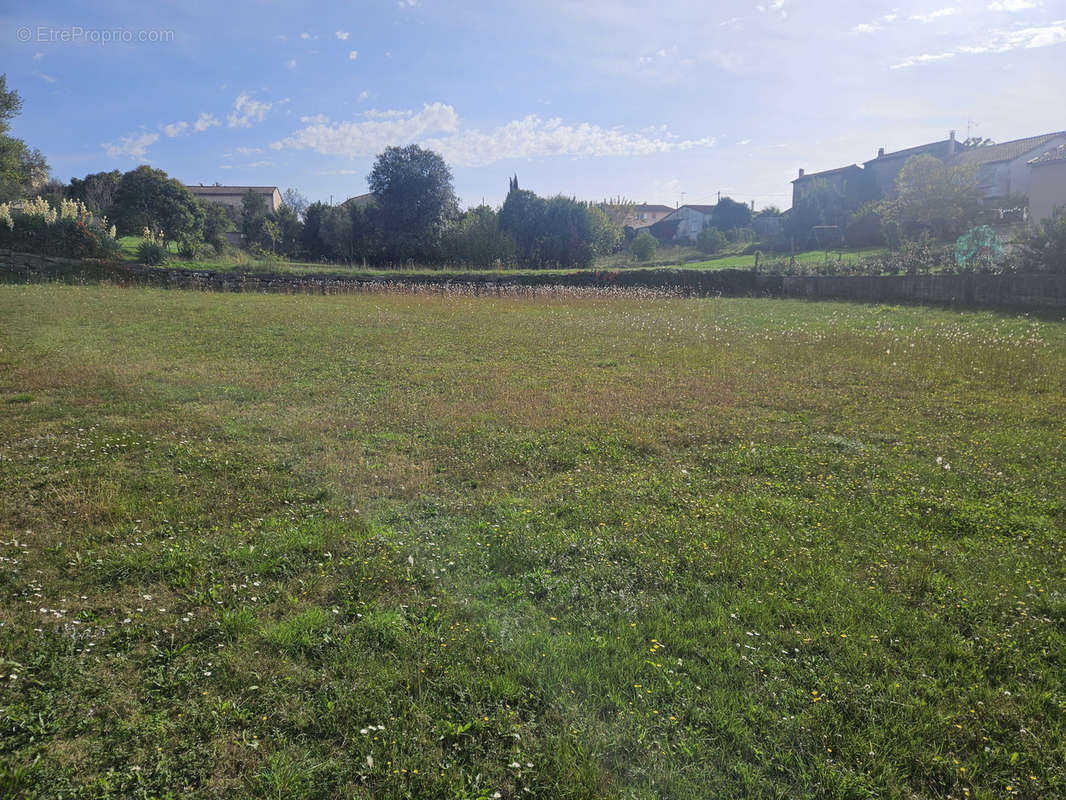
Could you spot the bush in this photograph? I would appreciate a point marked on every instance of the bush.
(68, 230)
(151, 254)
(710, 240)
(1044, 250)
(644, 247)
(190, 247)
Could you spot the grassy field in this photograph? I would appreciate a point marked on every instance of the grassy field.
(671, 258)
(445, 547)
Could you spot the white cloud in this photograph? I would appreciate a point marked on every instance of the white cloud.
(245, 151)
(342, 35)
(205, 121)
(291, 63)
(48, 78)
(353, 54)
(865, 28)
(927, 58)
(246, 111)
(1012, 5)
(261, 164)
(1023, 38)
(373, 134)
(1000, 42)
(135, 147)
(934, 15)
(200, 124)
(437, 126)
(363, 95)
(317, 119)
(305, 36)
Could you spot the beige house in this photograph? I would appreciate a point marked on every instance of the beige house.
(1004, 169)
(232, 196)
(1047, 183)
(641, 216)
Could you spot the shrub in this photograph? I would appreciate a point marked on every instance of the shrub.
(644, 246)
(190, 247)
(1044, 250)
(69, 230)
(152, 252)
(710, 240)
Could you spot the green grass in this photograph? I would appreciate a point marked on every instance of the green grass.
(437, 546)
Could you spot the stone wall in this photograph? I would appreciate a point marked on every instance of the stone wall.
(1029, 291)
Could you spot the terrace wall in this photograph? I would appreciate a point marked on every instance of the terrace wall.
(1015, 291)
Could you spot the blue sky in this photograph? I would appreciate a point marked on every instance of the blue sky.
(601, 98)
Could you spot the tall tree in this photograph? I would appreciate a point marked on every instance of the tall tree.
(96, 190)
(22, 171)
(254, 217)
(294, 200)
(934, 198)
(413, 191)
(149, 198)
(729, 214)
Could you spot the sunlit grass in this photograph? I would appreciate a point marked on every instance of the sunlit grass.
(565, 546)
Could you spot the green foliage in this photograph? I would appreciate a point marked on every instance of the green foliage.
(69, 230)
(415, 199)
(557, 232)
(97, 190)
(289, 230)
(352, 233)
(152, 253)
(644, 246)
(821, 203)
(23, 171)
(931, 197)
(292, 198)
(729, 213)
(865, 227)
(710, 240)
(1044, 249)
(254, 217)
(215, 221)
(475, 240)
(149, 198)
(312, 243)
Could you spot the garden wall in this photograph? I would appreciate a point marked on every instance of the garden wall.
(1029, 291)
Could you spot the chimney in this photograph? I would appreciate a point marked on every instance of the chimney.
(951, 143)
(801, 172)
(880, 152)
(752, 205)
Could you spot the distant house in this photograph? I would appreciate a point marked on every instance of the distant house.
(682, 224)
(1047, 183)
(1003, 170)
(233, 196)
(851, 183)
(360, 200)
(644, 215)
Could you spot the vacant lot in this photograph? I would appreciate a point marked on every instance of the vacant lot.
(390, 546)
